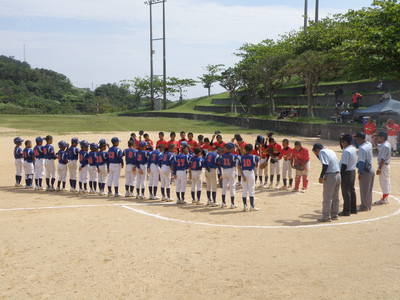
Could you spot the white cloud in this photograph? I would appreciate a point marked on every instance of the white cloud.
(199, 33)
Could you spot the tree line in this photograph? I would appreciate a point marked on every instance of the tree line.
(359, 44)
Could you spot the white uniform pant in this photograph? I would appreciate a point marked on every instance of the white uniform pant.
(228, 181)
(287, 169)
(384, 179)
(274, 168)
(29, 169)
(181, 180)
(113, 175)
(39, 168)
(72, 168)
(130, 178)
(264, 171)
(248, 184)
(165, 174)
(154, 175)
(392, 139)
(368, 138)
(211, 180)
(93, 173)
(196, 181)
(103, 173)
(19, 164)
(50, 167)
(83, 174)
(62, 172)
(141, 178)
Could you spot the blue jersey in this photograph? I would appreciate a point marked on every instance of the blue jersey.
(62, 157)
(211, 160)
(196, 163)
(166, 158)
(92, 158)
(141, 157)
(102, 158)
(154, 157)
(18, 152)
(28, 155)
(248, 162)
(83, 158)
(73, 153)
(48, 151)
(228, 160)
(181, 162)
(38, 151)
(130, 156)
(115, 155)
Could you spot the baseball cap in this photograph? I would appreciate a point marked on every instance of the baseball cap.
(383, 134)
(360, 135)
(317, 147)
(115, 140)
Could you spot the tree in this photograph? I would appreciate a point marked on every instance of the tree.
(180, 85)
(230, 80)
(312, 67)
(211, 77)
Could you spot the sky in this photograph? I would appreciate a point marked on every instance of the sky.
(102, 41)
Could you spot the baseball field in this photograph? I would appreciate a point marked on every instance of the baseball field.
(58, 245)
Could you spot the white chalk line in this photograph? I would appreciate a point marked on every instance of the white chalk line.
(160, 217)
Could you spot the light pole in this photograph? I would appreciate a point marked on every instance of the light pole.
(150, 3)
(316, 11)
(305, 15)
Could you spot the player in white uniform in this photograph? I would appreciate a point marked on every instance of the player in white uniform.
(73, 156)
(49, 164)
(102, 161)
(180, 167)
(248, 164)
(166, 162)
(115, 163)
(39, 163)
(383, 171)
(19, 161)
(62, 157)
(196, 168)
(228, 162)
(29, 158)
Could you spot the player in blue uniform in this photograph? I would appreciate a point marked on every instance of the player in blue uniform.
(39, 163)
(180, 167)
(19, 160)
(196, 168)
(29, 158)
(62, 157)
(130, 168)
(228, 162)
(153, 169)
(141, 166)
(83, 166)
(115, 163)
(248, 165)
(211, 166)
(50, 168)
(102, 161)
(93, 169)
(167, 158)
(73, 156)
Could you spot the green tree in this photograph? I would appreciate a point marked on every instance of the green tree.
(211, 77)
(230, 80)
(180, 85)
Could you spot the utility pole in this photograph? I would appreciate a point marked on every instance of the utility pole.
(150, 3)
(305, 15)
(24, 53)
(316, 11)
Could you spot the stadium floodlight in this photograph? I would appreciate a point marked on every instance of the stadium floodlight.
(316, 11)
(150, 3)
(305, 15)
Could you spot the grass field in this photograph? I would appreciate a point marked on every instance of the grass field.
(106, 123)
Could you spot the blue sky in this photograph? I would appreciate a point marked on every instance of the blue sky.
(100, 41)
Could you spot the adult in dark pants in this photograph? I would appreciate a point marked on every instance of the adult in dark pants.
(348, 175)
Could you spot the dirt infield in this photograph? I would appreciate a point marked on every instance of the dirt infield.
(67, 246)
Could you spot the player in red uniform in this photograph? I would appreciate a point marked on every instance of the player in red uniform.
(301, 162)
(369, 130)
(161, 140)
(286, 164)
(192, 142)
(173, 141)
(275, 154)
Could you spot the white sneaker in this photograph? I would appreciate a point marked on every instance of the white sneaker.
(270, 187)
(277, 186)
(110, 194)
(169, 200)
(209, 203)
(233, 206)
(253, 208)
(223, 205)
(127, 194)
(156, 198)
(245, 208)
(116, 195)
(198, 202)
(194, 201)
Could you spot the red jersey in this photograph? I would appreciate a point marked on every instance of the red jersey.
(264, 151)
(255, 152)
(301, 157)
(207, 147)
(163, 142)
(192, 144)
(393, 129)
(149, 142)
(176, 143)
(241, 150)
(218, 145)
(275, 150)
(287, 153)
(369, 128)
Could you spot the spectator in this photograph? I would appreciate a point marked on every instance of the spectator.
(330, 178)
(338, 94)
(356, 99)
(393, 130)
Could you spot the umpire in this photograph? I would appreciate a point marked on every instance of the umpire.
(330, 178)
(366, 174)
(348, 175)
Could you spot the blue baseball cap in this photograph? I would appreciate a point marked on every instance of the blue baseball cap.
(84, 143)
(229, 146)
(74, 140)
(142, 144)
(102, 142)
(93, 146)
(184, 144)
(62, 144)
(115, 140)
(18, 140)
(39, 139)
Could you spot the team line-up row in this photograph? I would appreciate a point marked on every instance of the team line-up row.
(234, 164)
